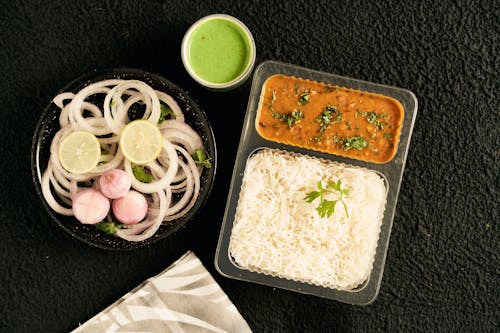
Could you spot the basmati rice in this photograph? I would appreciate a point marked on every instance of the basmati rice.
(277, 232)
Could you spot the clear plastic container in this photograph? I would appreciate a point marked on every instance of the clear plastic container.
(391, 172)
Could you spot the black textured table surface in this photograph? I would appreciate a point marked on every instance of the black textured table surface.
(442, 268)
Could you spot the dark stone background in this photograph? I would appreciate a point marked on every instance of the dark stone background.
(442, 268)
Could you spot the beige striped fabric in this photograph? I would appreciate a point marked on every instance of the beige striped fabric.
(182, 298)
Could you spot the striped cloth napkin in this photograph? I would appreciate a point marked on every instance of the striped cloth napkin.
(182, 298)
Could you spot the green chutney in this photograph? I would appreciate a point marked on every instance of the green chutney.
(218, 51)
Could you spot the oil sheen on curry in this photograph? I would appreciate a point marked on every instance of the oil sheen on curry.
(328, 118)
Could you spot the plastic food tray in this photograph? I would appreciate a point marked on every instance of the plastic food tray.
(251, 141)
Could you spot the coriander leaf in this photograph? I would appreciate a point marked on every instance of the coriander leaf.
(291, 118)
(329, 115)
(141, 174)
(371, 117)
(374, 118)
(304, 97)
(316, 138)
(320, 186)
(357, 142)
(334, 186)
(200, 157)
(166, 112)
(108, 227)
(326, 207)
(311, 196)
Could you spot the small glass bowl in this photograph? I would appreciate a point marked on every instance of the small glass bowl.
(233, 83)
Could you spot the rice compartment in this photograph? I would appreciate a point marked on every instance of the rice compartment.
(277, 232)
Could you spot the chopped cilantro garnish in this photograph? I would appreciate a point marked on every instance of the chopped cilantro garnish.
(375, 119)
(329, 115)
(304, 97)
(357, 142)
(317, 138)
(291, 118)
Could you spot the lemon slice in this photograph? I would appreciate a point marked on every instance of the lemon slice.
(141, 141)
(79, 152)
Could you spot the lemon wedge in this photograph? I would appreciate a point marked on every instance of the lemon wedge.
(141, 141)
(79, 152)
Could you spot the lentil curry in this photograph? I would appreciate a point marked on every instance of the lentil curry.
(328, 118)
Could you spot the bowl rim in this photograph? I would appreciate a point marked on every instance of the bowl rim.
(85, 79)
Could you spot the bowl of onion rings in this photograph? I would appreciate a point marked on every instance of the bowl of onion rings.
(175, 184)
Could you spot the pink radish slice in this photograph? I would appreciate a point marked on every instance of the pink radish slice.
(90, 206)
(115, 183)
(131, 208)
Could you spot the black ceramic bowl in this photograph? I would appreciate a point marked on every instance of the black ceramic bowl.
(48, 125)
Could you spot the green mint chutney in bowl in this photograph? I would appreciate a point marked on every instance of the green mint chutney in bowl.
(218, 51)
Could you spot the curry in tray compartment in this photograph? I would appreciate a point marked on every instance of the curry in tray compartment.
(328, 118)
